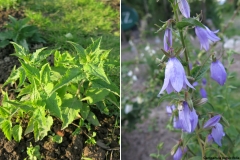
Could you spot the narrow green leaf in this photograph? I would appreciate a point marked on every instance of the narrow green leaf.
(189, 22)
(17, 132)
(80, 51)
(198, 72)
(13, 77)
(30, 70)
(93, 119)
(45, 73)
(7, 129)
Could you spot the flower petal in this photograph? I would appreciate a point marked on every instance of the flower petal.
(193, 119)
(184, 8)
(167, 39)
(184, 117)
(203, 93)
(179, 153)
(203, 37)
(211, 35)
(218, 72)
(177, 74)
(217, 133)
(212, 121)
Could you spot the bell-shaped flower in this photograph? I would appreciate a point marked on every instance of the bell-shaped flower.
(179, 153)
(204, 82)
(175, 77)
(209, 138)
(203, 93)
(212, 121)
(167, 40)
(205, 34)
(188, 118)
(184, 8)
(170, 109)
(218, 72)
(218, 133)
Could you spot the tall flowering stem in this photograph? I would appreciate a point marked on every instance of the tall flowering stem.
(182, 39)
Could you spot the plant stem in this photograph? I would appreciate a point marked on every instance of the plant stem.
(199, 141)
(182, 39)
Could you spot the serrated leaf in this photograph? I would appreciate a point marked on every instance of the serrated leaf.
(13, 77)
(70, 108)
(52, 106)
(7, 129)
(45, 73)
(30, 70)
(17, 132)
(93, 119)
(68, 77)
(95, 95)
(84, 110)
(80, 51)
(189, 22)
(198, 72)
(94, 46)
(22, 76)
(24, 107)
(96, 71)
(100, 84)
(4, 112)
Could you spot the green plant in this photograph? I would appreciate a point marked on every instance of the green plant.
(68, 90)
(7, 4)
(20, 32)
(33, 153)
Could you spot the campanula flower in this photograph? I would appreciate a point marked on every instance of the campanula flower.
(203, 93)
(218, 72)
(179, 153)
(188, 118)
(170, 109)
(204, 82)
(209, 138)
(217, 133)
(167, 39)
(184, 8)
(175, 77)
(205, 34)
(212, 121)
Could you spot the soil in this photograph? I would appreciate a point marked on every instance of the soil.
(72, 147)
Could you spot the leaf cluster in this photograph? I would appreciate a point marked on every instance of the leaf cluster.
(66, 90)
(20, 32)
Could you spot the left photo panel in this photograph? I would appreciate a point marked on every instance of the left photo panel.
(60, 80)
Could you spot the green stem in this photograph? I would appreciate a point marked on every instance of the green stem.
(199, 141)
(182, 40)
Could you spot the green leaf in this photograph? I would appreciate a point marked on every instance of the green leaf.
(84, 110)
(13, 77)
(30, 70)
(17, 132)
(22, 76)
(94, 46)
(45, 73)
(102, 107)
(198, 72)
(195, 158)
(95, 95)
(189, 22)
(96, 71)
(68, 77)
(7, 129)
(93, 119)
(4, 43)
(70, 108)
(100, 84)
(57, 139)
(24, 107)
(36, 55)
(52, 106)
(80, 51)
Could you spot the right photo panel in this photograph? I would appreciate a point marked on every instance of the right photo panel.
(180, 76)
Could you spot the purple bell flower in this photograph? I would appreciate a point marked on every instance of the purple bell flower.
(203, 93)
(170, 109)
(188, 119)
(209, 138)
(217, 133)
(205, 34)
(179, 153)
(167, 40)
(212, 121)
(204, 82)
(218, 72)
(175, 77)
(184, 8)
